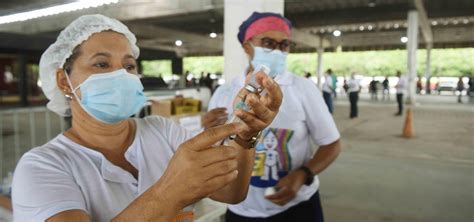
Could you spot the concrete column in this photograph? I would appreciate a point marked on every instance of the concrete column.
(412, 46)
(320, 65)
(139, 66)
(23, 80)
(235, 12)
(428, 69)
(319, 69)
(177, 68)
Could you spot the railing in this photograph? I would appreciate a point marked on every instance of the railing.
(24, 128)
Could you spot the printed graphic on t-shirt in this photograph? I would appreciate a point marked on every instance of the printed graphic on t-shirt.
(273, 160)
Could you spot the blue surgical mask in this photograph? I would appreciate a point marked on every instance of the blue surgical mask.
(275, 60)
(111, 97)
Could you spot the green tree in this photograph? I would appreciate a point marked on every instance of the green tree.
(157, 67)
(444, 62)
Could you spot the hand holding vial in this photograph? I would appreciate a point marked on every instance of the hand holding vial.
(257, 103)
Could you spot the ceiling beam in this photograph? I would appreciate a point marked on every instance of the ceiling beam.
(179, 51)
(307, 39)
(390, 12)
(461, 34)
(348, 15)
(125, 10)
(156, 35)
(18, 41)
(424, 22)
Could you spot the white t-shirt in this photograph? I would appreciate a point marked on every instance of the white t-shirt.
(63, 175)
(285, 145)
(354, 85)
(401, 85)
(327, 85)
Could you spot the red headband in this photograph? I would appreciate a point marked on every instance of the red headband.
(270, 23)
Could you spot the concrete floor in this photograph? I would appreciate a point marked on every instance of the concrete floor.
(379, 175)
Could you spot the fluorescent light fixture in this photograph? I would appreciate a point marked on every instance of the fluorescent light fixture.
(178, 43)
(404, 39)
(337, 33)
(372, 3)
(54, 10)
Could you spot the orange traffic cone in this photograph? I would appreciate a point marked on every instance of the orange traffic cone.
(408, 128)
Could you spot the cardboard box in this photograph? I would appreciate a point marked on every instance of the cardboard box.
(176, 106)
(162, 108)
(191, 122)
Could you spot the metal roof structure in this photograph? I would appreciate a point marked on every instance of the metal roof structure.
(363, 24)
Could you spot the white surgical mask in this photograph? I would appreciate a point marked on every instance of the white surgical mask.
(111, 97)
(275, 60)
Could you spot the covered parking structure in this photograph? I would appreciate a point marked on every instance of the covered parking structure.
(325, 25)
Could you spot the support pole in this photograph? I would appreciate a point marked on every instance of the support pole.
(412, 46)
(320, 65)
(428, 69)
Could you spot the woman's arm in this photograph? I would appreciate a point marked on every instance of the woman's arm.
(152, 205)
(263, 111)
(292, 183)
(197, 170)
(236, 191)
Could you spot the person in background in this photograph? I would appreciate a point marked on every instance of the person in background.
(208, 82)
(386, 89)
(110, 167)
(428, 86)
(345, 86)
(8, 75)
(471, 88)
(419, 85)
(183, 80)
(201, 79)
(333, 82)
(460, 89)
(353, 90)
(283, 184)
(8, 81)
(400, 87)
(328, 91)
(373, 89)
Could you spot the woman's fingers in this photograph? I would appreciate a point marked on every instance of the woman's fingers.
(213, 135)
(281, 197)
(251, 120)
(219, 168)
(214, 118)
(217, 154)
(219, 182)
(260, 110)
(274, 93)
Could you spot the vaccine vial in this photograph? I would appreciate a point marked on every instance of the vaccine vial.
(252, 87)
